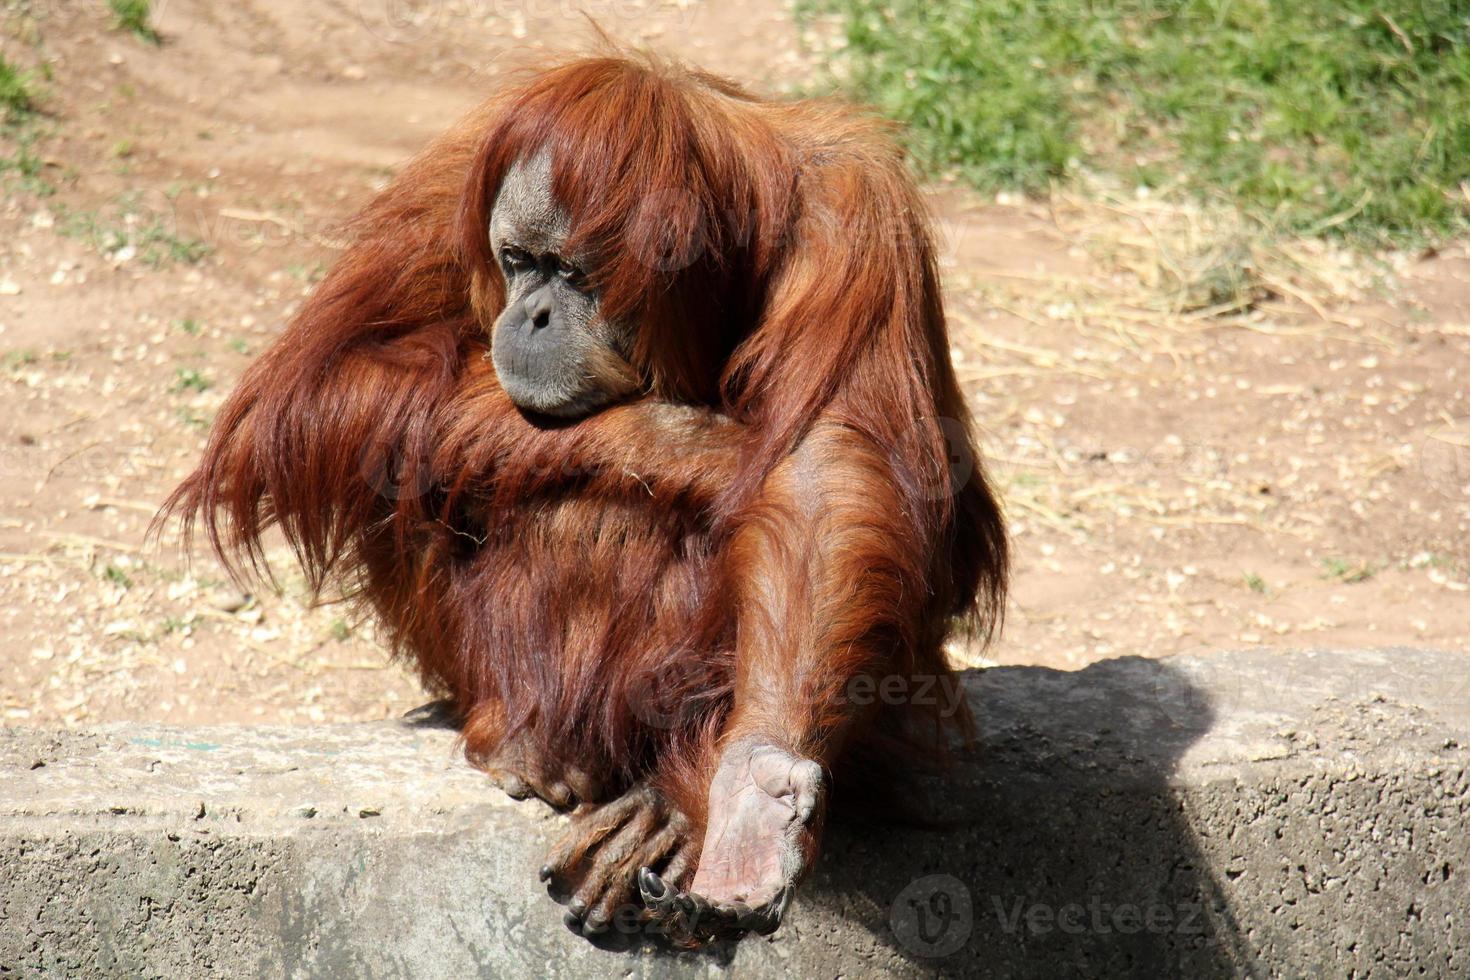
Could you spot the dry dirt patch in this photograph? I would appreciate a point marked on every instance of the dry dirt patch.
(1289, 473)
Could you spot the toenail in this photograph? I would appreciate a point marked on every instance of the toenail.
(652, 885)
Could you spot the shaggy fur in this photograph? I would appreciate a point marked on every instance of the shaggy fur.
(771, 517)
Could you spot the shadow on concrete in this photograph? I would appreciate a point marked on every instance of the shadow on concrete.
(1066, 851)
(1056, 847)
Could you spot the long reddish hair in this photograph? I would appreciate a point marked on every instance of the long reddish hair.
(777, 262)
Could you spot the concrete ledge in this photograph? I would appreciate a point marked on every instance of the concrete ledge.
(1249, 813)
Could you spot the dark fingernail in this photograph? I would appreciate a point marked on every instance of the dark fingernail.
(651, 885)
(594, 926)
(573, 921)
(546, 872)
(578, 907)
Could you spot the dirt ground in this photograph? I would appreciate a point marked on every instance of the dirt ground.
(1291, 473)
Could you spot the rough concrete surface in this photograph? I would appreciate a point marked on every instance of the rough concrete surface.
(1243, 814)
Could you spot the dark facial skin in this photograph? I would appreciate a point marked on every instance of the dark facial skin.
(554, 353)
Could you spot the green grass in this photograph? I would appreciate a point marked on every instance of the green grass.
(117, 576)
(17, 99)
(21, 164)
(133, 15)
(1345, 117)
(1349, 573)
(192, 419)
(189, 379)
(309, 274)
(14, 360)
(131, 228)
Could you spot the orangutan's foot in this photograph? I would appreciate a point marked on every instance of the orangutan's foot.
(596, 865)
(523, 773)
(765, 814)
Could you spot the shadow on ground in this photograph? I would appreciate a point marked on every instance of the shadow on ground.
(1066, 851)
(1057, 846)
